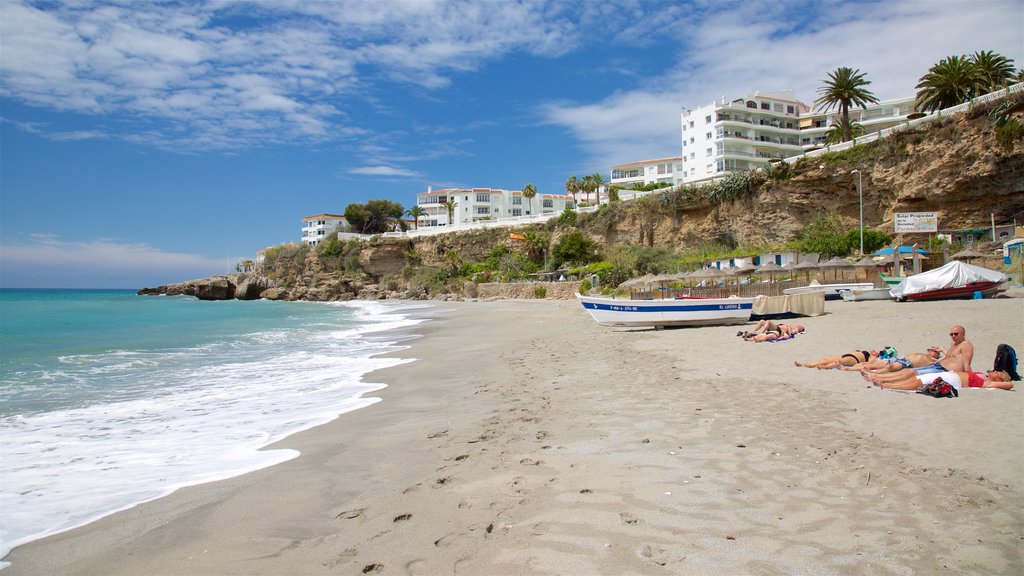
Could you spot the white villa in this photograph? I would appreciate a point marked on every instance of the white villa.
(317, 226)
(647, 171)
(485, 204)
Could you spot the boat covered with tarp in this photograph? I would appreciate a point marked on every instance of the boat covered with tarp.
(954, 280)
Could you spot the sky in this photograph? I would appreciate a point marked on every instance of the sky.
(143, 143)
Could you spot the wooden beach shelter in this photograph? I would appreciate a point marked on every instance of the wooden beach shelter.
(806, 266)
(866, 263)
(772, 269)
(967, 254)
(837, 263)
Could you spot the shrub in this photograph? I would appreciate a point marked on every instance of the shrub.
(575, 247)
(585, 286)
(567, 217)
(540, 292)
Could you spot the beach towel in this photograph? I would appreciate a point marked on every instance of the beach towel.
(790, 337)
(939, 388)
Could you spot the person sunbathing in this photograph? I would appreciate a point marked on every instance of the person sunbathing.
(849, 359)
(910, 380)
(767, 330)
(912, 360)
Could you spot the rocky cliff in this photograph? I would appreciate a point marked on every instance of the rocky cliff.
(955, 168)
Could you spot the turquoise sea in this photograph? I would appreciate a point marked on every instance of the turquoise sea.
(108, 399)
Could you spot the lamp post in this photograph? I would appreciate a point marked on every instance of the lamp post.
(860, 194)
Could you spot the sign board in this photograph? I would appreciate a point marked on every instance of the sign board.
(912, 222)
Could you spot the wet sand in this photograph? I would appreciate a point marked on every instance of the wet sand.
(528, 440)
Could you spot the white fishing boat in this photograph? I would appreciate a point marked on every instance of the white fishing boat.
(662, 312)
(831, 290)
(870, 294)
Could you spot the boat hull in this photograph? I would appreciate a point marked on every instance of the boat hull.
(667, 312)
(862, 295)
(986, 289)
(831, 290)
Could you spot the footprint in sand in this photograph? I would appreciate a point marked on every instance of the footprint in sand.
(438, 434)
(402, 518)
(372, 568)
(628, 518)
(351, 514)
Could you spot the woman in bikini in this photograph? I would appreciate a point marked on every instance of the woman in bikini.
(848, 359)
(910, 380)
(771, 331)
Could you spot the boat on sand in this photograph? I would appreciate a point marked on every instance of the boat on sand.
(869, 294)
(662, 312)
(831, 290)
(954, 280)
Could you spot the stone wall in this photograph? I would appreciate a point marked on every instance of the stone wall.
(526, 290)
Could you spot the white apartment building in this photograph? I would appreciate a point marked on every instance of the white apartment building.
(316, 227)
(876, 117)
(749, 132)
(476, 204)
(740, 134)
(647, 172)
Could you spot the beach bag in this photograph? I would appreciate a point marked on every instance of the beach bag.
(939, 388)
(1006, 360)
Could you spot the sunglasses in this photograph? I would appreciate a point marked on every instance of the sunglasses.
(954, 333)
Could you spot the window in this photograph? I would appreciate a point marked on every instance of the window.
(548, 203)
(693, 155)
(707, 119)
(691, 123)
(662, 169)
(691, 139)
(483, 209)
(483, 197)
(517, 200)
(517, 211)
(720, 165)
(790, 109)
(751, 104)
(710, 151)
(766, 106)
(709, 135)
(710, 168)
(777, 107)
(693, 171)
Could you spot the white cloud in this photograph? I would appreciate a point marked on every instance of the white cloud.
(385, 171)
(47, 260)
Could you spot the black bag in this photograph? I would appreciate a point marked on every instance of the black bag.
(939, 388)
(1006, 360)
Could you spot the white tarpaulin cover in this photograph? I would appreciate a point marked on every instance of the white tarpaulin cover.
(953, 275)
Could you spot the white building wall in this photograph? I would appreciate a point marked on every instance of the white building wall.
(647, 172)
(485, 204)
(316, 228)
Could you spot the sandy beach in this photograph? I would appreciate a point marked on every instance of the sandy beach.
(526, 439)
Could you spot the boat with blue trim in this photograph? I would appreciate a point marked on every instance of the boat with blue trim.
(662, 312)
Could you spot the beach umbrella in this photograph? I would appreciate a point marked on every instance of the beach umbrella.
(836, 263)
(967, 254)
(806, 266)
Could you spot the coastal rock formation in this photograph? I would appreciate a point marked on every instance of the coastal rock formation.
(954, 168)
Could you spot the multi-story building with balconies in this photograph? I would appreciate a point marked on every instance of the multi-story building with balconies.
(647, 172)
(476, 204)
(740, 134)
(315, 228)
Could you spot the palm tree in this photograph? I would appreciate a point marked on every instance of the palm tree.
(844, 88)
(950, 82)
(994, 71)
(1019, 77)
(450, 207)
(596, 180)
(586, 185)
(529, 191)
(416, 212)
(572, 186)
(839, 130)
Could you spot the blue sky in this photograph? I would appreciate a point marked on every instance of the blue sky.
(143, 143)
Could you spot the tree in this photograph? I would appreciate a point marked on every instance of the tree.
(572, 186)
(994, 71)
(374, 217)
(416, 213)
(529, 191)
(844, 88)
(450, 207)
(596, 180)
(573, 247)
(950, 82)
(586, 185)
(836, 134)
